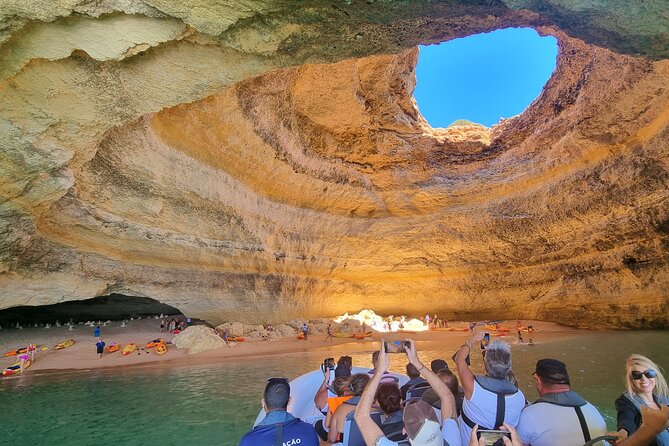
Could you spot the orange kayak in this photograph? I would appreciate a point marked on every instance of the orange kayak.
(111, 348)
(154, 343)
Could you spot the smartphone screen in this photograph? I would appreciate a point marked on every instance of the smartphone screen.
(329, 363)
(486, 336)
(394, 346)
(492, 437)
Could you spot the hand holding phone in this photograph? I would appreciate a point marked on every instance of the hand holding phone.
(492, 437)
(394, 346)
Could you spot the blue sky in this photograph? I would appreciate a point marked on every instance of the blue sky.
(483, 77)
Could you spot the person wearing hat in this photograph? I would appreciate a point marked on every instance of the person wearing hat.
(421, 423)
(560, 417)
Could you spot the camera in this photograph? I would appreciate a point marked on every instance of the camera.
(492, 437)
(395, 346)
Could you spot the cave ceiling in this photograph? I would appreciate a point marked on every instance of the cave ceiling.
(265, 160)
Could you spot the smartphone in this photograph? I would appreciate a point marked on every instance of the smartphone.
(329, 364)
(486, 336)
(492, 437)
(395, 346)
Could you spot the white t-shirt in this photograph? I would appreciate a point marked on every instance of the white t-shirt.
(545, 424)
(449, 430)
(482, 409)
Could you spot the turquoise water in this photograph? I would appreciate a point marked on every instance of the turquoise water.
(217, 403)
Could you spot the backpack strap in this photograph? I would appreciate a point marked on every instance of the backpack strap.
(278, 437)
(584, 425)
(501, 409)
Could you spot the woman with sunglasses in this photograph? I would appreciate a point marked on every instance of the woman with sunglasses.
(646, 387)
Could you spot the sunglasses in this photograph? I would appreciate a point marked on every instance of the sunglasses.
(650, 373)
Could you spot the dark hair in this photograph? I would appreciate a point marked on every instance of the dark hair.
(412, 371)
(389, 397)
(341, 384)
(358, 383)
(450, 380)
(277, 394)
(345, 360)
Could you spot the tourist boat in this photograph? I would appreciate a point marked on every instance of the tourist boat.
(130, 348)
(161, 349)
(111, 348)
(303, 389)
(65, 344)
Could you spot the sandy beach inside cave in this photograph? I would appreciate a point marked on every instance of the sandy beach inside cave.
(82, 355)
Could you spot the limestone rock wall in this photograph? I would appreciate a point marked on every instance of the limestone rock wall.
(261, 161)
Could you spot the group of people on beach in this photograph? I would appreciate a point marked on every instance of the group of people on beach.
(435, 408)
(173, 326)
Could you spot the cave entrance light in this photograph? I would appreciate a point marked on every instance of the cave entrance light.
(484, 77)
(380, 324)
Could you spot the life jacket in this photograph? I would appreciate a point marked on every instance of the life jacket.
(501, 388)
(569, 399)
(662, 439)
(336, 401)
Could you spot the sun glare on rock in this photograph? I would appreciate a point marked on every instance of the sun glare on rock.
(484, 77)
(384, 325)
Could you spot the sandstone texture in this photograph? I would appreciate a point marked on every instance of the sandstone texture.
(263, 161)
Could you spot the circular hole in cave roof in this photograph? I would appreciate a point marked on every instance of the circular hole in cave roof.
(484, 77)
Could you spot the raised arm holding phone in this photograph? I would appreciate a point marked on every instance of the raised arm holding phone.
(420, 421)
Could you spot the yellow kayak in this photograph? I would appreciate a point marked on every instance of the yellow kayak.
(65, 344)
(161, 349)
(130, 348)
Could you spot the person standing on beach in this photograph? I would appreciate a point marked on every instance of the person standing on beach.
(305, 330)
(96, 332)
(100, 347)
(530, 330)
(329, 333)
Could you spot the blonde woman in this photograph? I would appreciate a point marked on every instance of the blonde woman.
(646, 387)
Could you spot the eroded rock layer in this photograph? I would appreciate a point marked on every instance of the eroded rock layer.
(263, 161)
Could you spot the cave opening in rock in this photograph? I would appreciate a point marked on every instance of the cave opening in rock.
(111, 307)
(483, 77)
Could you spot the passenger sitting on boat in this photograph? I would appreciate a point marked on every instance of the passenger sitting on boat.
(560, 416)
(485, 394)
(344, 366)
(646, 387)
(389, 398)
(279, 424)
(414, 378)
(421, 423)
(335, 423)
(335, 394)
(451, 382)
